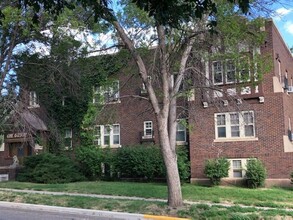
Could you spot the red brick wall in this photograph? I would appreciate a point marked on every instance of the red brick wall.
(271, 121)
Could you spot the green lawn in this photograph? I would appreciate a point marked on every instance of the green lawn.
(270, 197)
(273, 197)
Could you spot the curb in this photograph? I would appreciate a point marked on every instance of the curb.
(86, 212)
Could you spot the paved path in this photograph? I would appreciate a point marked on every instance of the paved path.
(136, 198)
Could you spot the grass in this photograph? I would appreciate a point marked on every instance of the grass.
(269, 197)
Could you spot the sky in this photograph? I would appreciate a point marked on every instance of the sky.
(283, 19)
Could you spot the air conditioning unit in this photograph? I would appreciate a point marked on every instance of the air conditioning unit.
(290, 89)
(205, 104)
(4, 177)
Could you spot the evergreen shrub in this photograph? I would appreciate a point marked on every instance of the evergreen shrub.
(216, 169)
(139, 162)
(90, 160)
(146, 162)
(256, 173)
(49, 168)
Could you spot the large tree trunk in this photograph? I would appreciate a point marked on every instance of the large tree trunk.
(162, 113)
(170, 160)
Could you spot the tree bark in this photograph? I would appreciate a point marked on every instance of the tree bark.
(161, 112)
(170, 160)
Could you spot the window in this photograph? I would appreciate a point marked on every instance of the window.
(68, 138)
(107, 93)
(107, 135)
(229, 71)
(237, 167)
(244, 70)
(2, 144)
(148, 128)
(218, 72)
(97, 135)
(33, 99)
(68, 133)
(235, 125)
(181, 131)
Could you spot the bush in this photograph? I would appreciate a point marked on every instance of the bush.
(183, 163)
(49, 168)
(255, 173)
(90, 159)
(139, 162)
(147, 162)
(216, 169)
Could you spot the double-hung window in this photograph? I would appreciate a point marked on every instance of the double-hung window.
(237, 167)
(229, 71)
(148, 128)
(68, 138)
(107, 93)
(107, 135)
(181, 131)
(33, 99)
(218, 72)
(235, 125)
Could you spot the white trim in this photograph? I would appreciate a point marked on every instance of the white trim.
(99, 139)
(181, 142)
(145, 128)
(222, 73)
(236, 139)
(227, 125)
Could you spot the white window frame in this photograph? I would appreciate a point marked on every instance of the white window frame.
(214, 72)
(146, 127)
(228, 125)
(244, 68)
(99, 139)
(232, 169)
(107, 90)
(226, 70)
(178, 129)
(33, 99)
(97, 135)
(68, 135)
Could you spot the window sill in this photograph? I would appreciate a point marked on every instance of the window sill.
(235, 139)
(107, 103)
(113, 102)
(111, 146)
(33, 106)
(181, 143)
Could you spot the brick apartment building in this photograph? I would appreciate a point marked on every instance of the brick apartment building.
(253, 122)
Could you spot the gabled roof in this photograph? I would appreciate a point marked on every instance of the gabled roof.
(34, 121)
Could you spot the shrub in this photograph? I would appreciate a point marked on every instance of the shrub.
(90, 159)
(147, 162)
(139, 162)
(216, 169)
(49, 168)
(255, 173)
(183, 163)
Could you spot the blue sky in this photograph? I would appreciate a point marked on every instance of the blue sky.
(283, 19)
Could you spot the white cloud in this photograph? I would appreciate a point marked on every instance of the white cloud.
(289, 27)
(281, 12)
